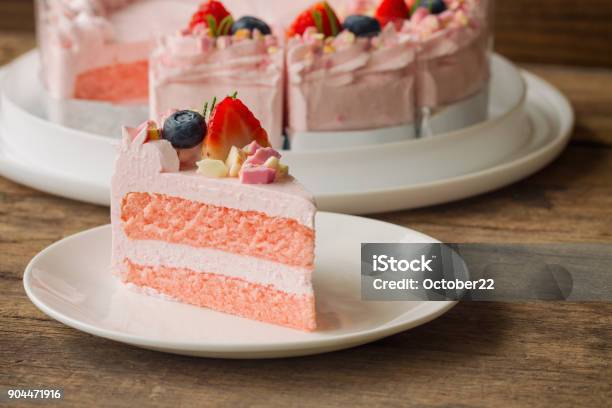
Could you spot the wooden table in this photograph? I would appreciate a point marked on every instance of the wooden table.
(478, 354)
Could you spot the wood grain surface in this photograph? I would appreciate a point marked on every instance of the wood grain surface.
(478, 355)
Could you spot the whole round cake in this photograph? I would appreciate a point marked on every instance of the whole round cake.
(322, 74)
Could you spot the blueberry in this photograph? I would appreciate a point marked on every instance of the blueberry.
(434, 6)
(250, 23)
(362, 26)
(184, 129)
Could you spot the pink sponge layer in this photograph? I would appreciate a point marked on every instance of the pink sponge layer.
(180, 221)
(114, 83)
(225, 294)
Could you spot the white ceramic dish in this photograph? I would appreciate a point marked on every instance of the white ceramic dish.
(71, 282)
(380, 178)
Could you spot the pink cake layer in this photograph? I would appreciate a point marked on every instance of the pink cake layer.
(225, 294)
(147, 216)
(114, 83)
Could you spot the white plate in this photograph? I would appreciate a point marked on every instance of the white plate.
(381, 178)
(71, 282)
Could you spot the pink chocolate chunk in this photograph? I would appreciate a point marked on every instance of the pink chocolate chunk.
(252, 147)
(261, 155)
(257, 175)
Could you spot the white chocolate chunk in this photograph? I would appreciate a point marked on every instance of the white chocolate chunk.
(282, 170)
(234, 161)
(212, 168)
(235, 156)
(234, 170)
(272, 162)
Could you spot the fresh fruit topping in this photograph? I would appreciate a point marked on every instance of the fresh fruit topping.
(320, 16)
(257, 175)
(214, 16)
(362, 26)
(184, 129)
(232, 124)
(212, 168)
(250, 23)
(392, 11)
(434, 6)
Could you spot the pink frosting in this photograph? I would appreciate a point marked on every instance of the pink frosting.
(351, 83)
(453, 52)
(188, 69)
(257, 175)
(370, 83)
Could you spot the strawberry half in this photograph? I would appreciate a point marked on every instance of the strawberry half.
(392, 11)
(232, 124)
(320, 16)
(213, 15)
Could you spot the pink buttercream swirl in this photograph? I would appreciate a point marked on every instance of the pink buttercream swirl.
(199, 56)
(442, 59)
(342, 59)
(348, 82)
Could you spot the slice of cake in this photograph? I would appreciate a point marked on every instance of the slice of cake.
(453, 43)
(98, 49)
(348, 76)
(216, 55)
(235, 235)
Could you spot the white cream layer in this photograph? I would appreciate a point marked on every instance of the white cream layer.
(289, 279)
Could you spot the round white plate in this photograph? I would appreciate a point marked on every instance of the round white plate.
(387, 177)
(71, 282)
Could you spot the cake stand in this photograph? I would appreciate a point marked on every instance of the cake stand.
(529, 125)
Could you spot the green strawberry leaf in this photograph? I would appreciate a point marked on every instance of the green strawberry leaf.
(212, 25)
(318, 18)
(332, 19)
(226, 25)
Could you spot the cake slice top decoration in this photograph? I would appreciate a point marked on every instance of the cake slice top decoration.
(236, 145)
(212, 35)
(232, 144)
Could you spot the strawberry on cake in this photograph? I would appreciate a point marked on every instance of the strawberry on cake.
(389, 68)
(215, 55)
(235, 234)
